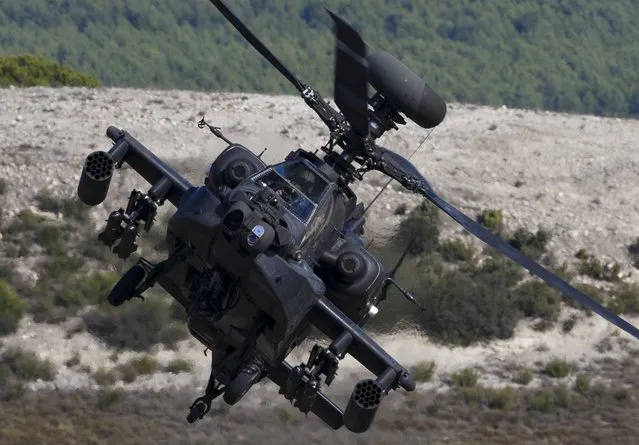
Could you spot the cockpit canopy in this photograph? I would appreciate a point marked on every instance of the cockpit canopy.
(298, 184)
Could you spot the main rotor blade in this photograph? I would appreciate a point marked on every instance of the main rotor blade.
(257, 44)
(404, 172)
(351, 75)
(502, 246)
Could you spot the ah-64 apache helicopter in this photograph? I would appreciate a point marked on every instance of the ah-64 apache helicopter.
(259, 254)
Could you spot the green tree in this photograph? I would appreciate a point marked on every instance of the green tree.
(577, 56)
(27, 70)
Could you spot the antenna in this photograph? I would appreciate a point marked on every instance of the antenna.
(215, 130)
(389, 280)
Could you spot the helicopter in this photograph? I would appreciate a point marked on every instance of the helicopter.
(259, 254)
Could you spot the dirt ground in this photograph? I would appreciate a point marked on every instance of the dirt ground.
(575, 176)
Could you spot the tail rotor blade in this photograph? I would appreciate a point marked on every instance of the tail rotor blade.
(351, 75)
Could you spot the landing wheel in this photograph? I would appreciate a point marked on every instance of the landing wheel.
(126, 287)
(238, 387)
(241, 384)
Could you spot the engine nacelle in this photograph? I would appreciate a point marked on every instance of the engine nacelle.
(352, 276)
(232, 166)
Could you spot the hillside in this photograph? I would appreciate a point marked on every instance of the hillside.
(559, 370)
(578, 56)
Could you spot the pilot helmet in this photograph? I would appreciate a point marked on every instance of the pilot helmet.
(304, 178)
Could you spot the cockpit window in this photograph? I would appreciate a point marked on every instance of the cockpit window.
(298, 185)
(303, 179)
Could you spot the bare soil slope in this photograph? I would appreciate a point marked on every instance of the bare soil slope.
(573, 175)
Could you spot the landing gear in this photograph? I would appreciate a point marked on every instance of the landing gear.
(241, 367)
(251, 373)
(126, 288)
(202, 405)
(143, 276)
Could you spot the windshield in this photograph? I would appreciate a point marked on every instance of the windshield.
(298, 185)
(304, 179)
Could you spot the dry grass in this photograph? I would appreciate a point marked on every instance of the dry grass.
(603, 414)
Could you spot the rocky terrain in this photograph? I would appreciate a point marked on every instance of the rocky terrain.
(575, 176)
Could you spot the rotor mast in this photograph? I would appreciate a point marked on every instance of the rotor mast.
(356, 127)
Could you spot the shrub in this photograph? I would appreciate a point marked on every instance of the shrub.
(104, 377)
(11, 387)
(492, 219)
(549, 399)
(594, 268)
(633, 252)
(420, 229)
(563, 271)
(473, 395)
(26, 365)
(582, 383)
(106, 398)
(504, 399)
(136, 325)
(456, 250)
(26, 70)
(62, 292)
(536, 299)
(71, 208)
(12, 308)
(523, 376)
(582, 254)
(497, 271)
(626, 299)
(462, 310)
(73, 361)
(171, 334)
(25, 221)
(465, 378)
(423, 371)
(52, 238)
(531, 244)
(569, 323)
(145, 365)
(27, 229)
(621, 393)
(85, 290)
(287, 414)
(178, 365)
(557, 368)
(401, 209)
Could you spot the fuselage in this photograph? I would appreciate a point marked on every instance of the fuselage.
(265, 248)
